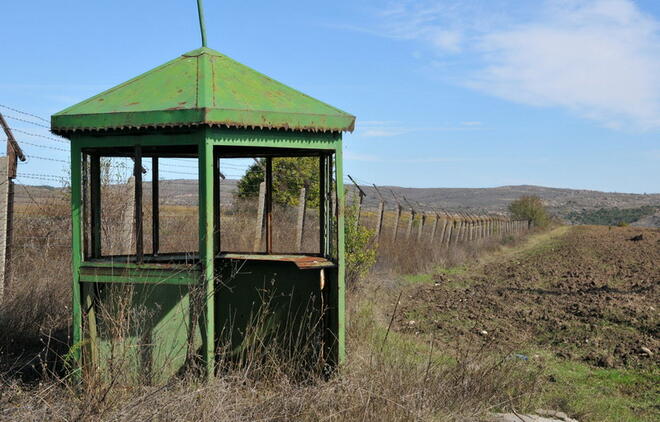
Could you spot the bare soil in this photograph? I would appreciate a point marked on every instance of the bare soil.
(584, 293)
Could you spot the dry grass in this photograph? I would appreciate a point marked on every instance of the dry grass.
(388, 377)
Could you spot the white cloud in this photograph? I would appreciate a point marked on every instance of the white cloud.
(353, 156)
(384, 129)
(600, 59)
(356, 156)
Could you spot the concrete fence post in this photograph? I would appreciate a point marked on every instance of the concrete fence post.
(379, 220)
(420, 229)
(300, 223)
(128, 219)
(434, 228)
(259, 228)
(397, 219)
(410, 224)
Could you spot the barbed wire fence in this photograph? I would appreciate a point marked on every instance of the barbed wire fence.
(35, 202)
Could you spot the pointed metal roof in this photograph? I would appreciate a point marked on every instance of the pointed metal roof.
(202, 87)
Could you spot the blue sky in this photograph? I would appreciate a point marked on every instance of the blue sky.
(448, 93)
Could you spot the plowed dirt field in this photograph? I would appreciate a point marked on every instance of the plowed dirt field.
(588, 294)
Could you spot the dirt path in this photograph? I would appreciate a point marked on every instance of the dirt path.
(583, 293)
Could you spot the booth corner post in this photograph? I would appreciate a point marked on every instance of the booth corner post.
(341, 276)
(207, 247)
(76, 250)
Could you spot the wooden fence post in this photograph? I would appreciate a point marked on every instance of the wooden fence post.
(259, 228)
(300, 224)
(5, 181)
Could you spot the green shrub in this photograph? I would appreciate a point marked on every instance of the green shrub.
(611, 216)
(359, 247)
(530, 208)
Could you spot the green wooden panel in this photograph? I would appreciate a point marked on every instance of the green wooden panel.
(137, 276)
(272, 305)
(145, 332)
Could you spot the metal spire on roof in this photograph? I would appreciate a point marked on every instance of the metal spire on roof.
(202, 25)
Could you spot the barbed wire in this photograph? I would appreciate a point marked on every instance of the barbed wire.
(181, 182)
(26, 132)
(23, 142)
(47, 159)
(24, 112)
(25, 121)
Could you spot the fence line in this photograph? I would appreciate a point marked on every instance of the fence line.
(391, 220)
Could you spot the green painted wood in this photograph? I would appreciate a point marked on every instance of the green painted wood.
(114, 262)
(268, 307)
(76, 248)
(206, 249)
(202, 87)
(128, 279)
(145, 332)
(340, 290)
(138, 276)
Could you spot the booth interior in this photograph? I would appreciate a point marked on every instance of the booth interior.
(275, 253)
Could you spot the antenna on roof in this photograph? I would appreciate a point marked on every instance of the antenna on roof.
(202, 25)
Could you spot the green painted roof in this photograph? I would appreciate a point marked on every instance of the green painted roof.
(202, 87)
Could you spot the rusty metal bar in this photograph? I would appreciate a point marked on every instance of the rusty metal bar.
(322, 203)
(269, 205)
(87, 244)
(155, 207)
(95, 204)
(217, 176)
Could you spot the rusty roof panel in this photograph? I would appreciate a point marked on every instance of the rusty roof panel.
(202, 87)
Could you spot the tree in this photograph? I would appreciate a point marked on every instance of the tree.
(530, 208)
(290, 174)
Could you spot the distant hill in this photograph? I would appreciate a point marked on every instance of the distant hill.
(568, 204)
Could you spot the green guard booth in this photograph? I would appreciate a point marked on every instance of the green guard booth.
(206, 107)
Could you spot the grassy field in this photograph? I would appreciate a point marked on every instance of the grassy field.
(553, 320)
